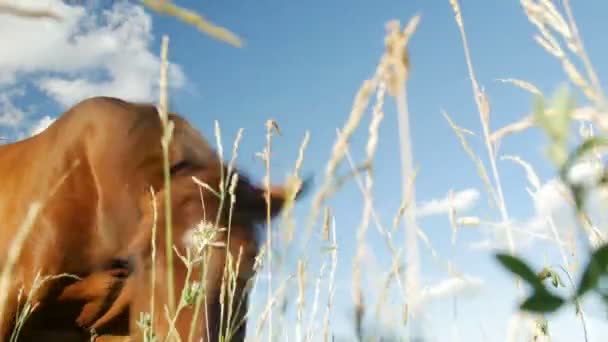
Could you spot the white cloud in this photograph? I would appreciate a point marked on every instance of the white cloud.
(556, 213)
(10, 114)
(460, 201)
(452, 286)
(553, 213)
(87, 53)
(552, 198)
(482, 245)
(41, 125)
(554, 217)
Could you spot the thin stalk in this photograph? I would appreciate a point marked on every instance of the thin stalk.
(165, 140)
(409, 192)
(153, 272)
(206, 254)
(483, 108)
(578, 41)
(269, 126)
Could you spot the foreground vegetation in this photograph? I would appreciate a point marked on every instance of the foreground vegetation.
(558, 35)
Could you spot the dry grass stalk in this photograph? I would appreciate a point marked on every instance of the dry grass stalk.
(481, 169)
(300, 300)
(368, 200)
(579, 48)
(586, 113)
(332, 276)
(165, 141)
(13, 255)
(228, 286)
(545, 16)
(19, 240)
(394, 56)
(268, 307)
(192, 18)
(29, 13)
(287, 213)
(187, 260)
(310, 330)
(378, 223)
(529, 87)
(404, 201)
(205, 257)
(326, 219)
(396, 42)
(392, 74)
(30, 306)
(534, 181)
(483, 107)
(221, 195)
(153, 256)
(270, 125)
(357, 112)
(228, 267)
(235, 148)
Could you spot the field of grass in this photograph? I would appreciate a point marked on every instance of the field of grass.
(307, 315)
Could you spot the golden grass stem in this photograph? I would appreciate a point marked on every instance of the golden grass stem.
(578, 41)
(6, 8)
(153, 245)
(412, 253)
(19, 240)
(13, 254)
(165, 141)
(483, 107)
(269, 126)
(192, 18)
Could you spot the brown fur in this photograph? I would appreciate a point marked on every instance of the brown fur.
(100, 213)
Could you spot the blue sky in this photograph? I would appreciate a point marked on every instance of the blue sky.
(301, 66)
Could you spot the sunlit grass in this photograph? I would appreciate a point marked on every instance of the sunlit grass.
(557, 35)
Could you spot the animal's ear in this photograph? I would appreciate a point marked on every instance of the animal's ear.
(251, 199)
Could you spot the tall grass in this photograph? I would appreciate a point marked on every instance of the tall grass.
(557, 35)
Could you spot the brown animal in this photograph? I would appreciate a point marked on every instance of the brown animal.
(93, 169)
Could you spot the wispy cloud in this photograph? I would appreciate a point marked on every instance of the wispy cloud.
(482, 245)
(10, 114)
(554, 217)
(460, 201)
(451, 287)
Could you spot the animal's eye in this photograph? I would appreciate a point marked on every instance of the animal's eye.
(177, 167)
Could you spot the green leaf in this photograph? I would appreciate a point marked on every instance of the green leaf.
(556, 280)
(605, 299)
(518, 267)
(578, 193)
(549, 273)
(587, 145)
(556, 121)
(544, 274)
(563, 104)
(539, 111)
(557, 153)
(542, 301)
(595, 268)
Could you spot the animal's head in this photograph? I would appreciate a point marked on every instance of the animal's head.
(205, 196)
(195, 165)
